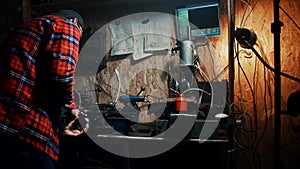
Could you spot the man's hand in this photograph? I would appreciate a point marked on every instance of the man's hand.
(69, 129)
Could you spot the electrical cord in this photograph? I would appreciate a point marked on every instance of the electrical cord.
(250, 143)
(266, 122)
(239, 83)
(267, 65)
(290, 17)
(256, 159)
(244, 13)
(253, 96)
(255, 3)
(196, 89)
(204, 76)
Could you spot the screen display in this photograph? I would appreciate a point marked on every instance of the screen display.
(193, 22)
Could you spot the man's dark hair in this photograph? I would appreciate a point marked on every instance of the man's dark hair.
(71, 14)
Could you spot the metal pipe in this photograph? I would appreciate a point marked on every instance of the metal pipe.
(231, 28)
(275, 28)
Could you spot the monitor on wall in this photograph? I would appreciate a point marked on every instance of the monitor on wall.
(197, 21)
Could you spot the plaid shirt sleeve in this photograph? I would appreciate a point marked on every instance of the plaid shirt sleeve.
(61, 58)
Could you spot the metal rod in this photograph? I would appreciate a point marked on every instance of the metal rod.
(275, 28)
(231, 27)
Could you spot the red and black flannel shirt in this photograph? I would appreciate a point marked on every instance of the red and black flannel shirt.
(37, 66)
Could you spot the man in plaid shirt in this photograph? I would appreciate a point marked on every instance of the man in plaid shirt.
(37, 65)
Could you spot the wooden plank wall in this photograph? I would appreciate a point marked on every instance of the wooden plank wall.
(258, 99)
(149, 72)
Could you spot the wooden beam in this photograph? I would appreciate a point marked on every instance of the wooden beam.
(26, 10)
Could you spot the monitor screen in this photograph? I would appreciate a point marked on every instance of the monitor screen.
(196, 21)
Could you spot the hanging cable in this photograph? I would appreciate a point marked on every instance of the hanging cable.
(271, 68)
(294, 22)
